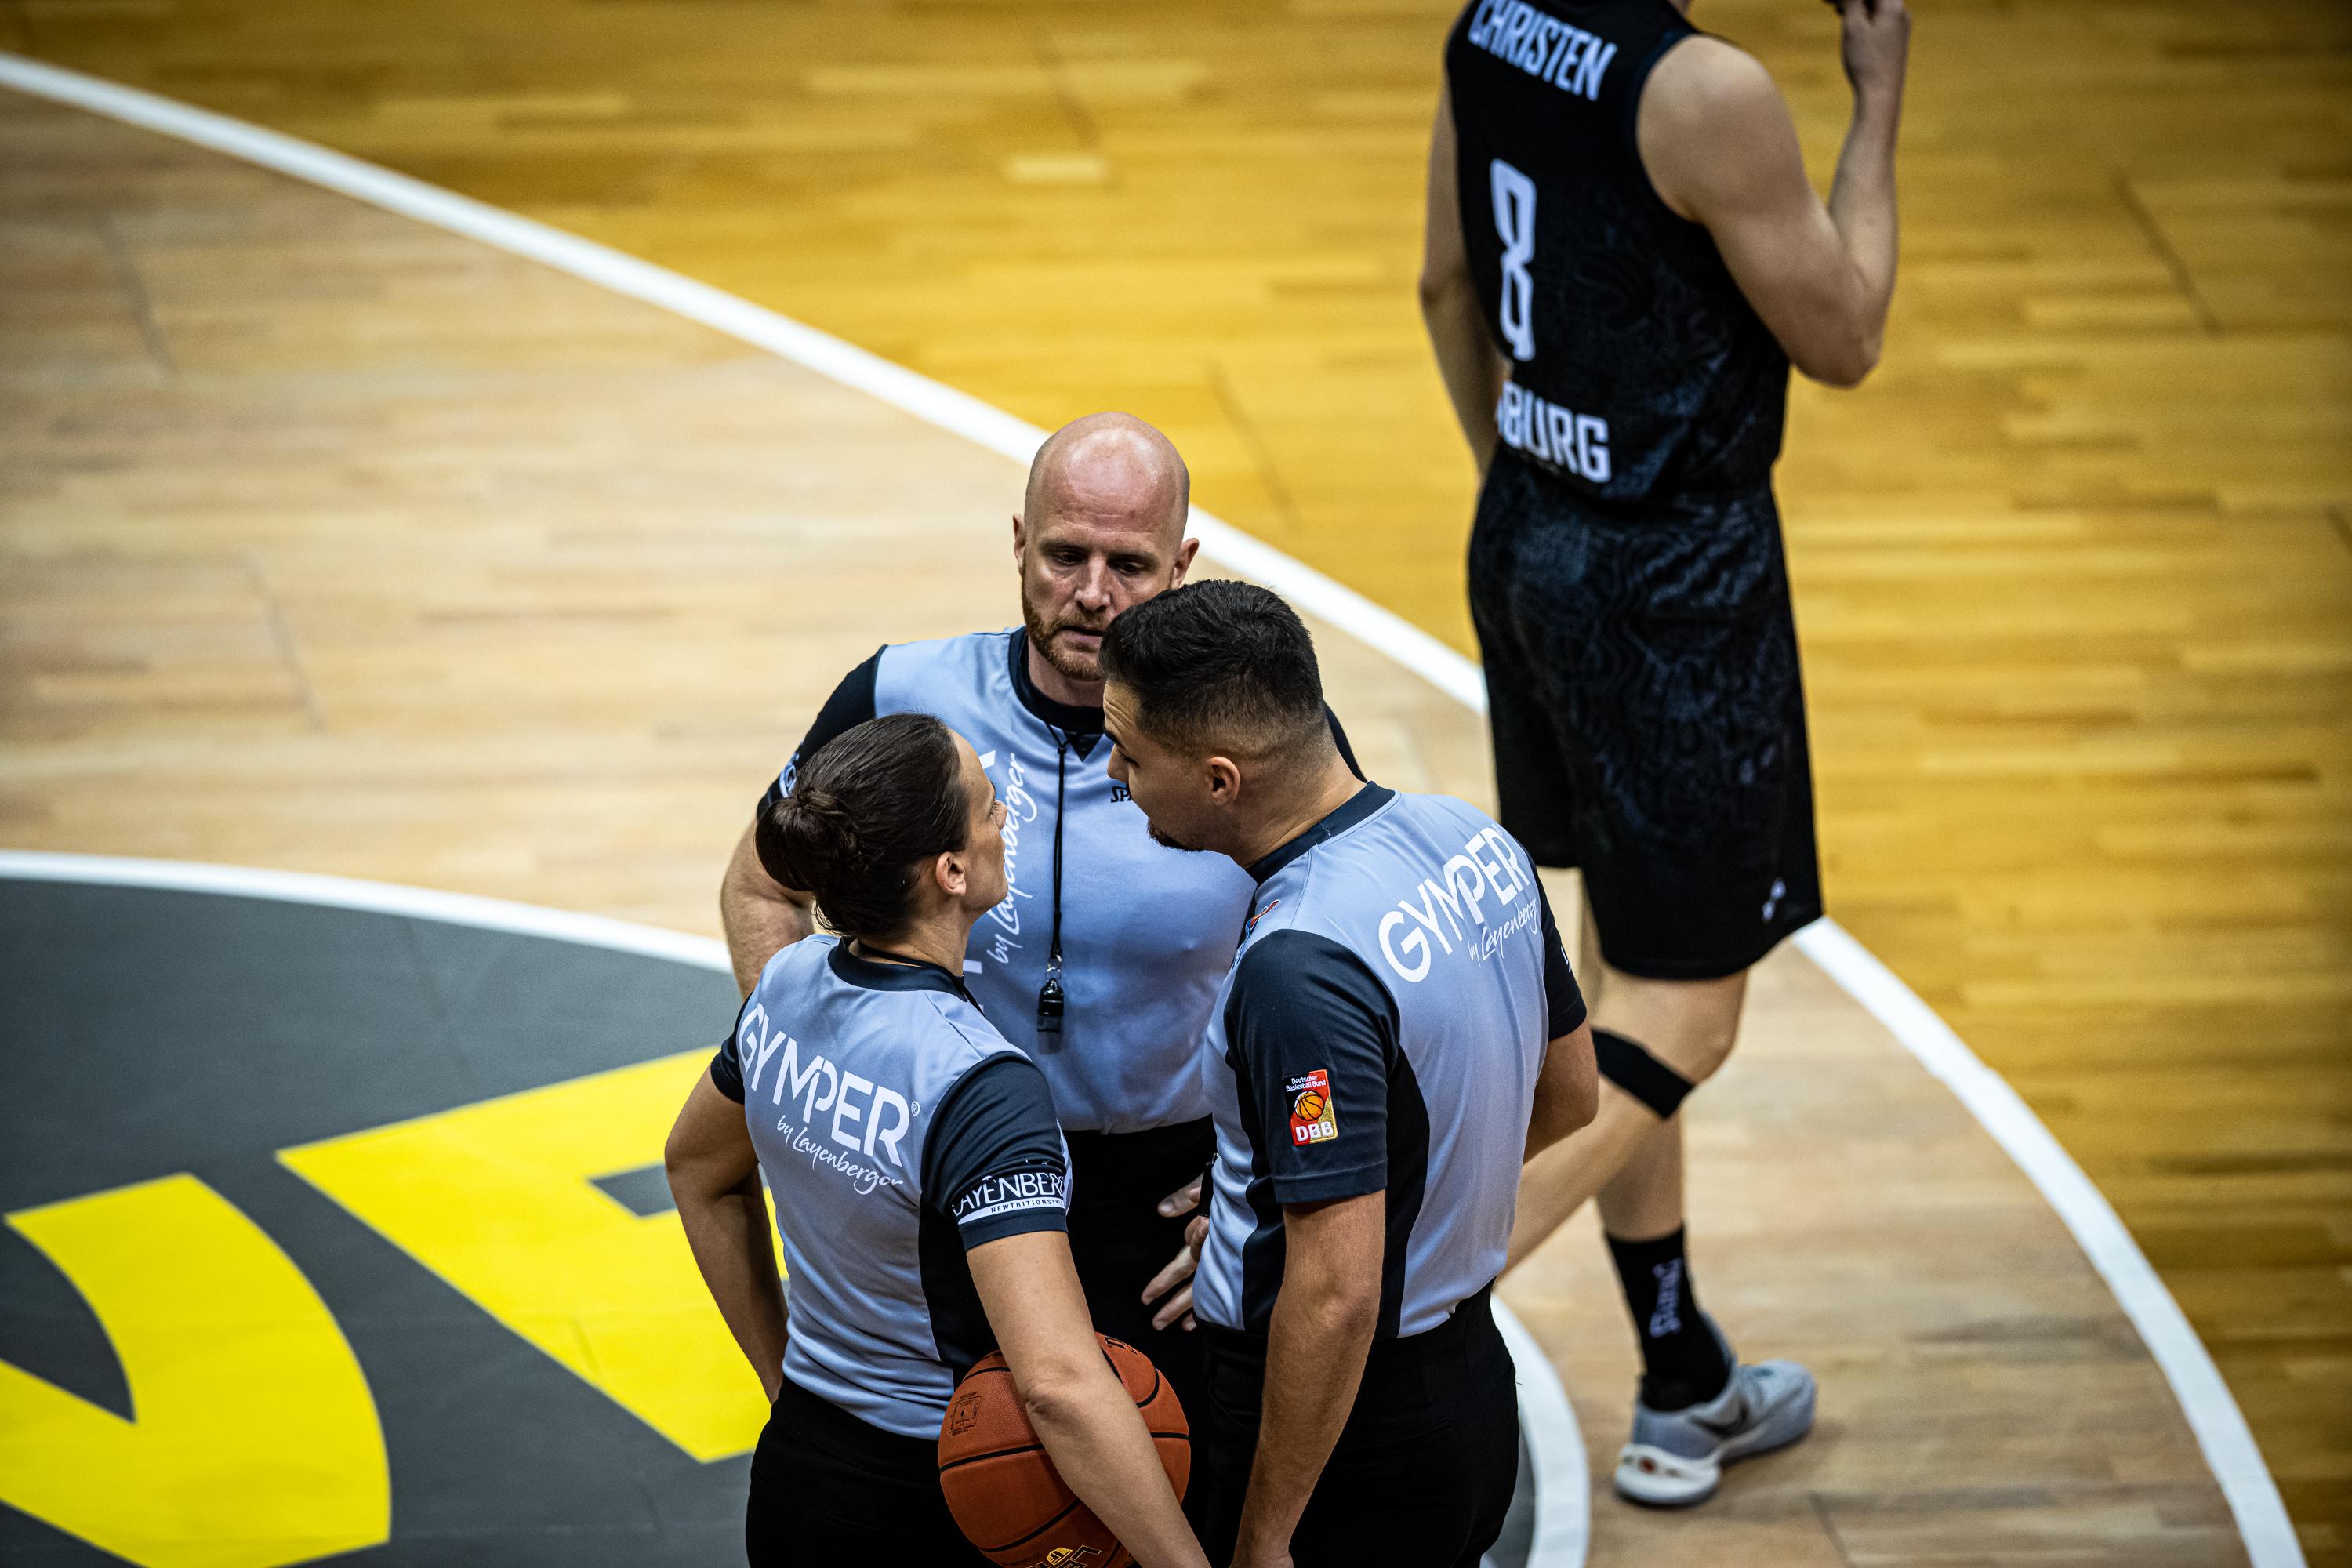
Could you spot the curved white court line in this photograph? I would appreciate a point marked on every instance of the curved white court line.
(2213, 1416)
(1555, 1447)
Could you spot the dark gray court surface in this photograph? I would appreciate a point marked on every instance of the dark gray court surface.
(150, 1031)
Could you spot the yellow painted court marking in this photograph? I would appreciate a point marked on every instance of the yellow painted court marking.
(254, 1441)
(496, 1199)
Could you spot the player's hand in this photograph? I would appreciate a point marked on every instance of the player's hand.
(1876, 41)
(1179, 1271)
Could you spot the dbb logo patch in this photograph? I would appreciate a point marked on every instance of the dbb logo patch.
(1313, 1118)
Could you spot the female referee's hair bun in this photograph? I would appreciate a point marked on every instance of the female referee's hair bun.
(868, 809)
(817, 840)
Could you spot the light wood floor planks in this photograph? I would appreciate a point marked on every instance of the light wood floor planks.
(331, 542)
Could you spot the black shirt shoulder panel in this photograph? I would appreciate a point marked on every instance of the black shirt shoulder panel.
(727, 1064)
(993, 1159)
(1563, 998)
(1314, 1034)
(851, 704)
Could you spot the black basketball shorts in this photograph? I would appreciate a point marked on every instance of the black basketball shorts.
(1648, 717)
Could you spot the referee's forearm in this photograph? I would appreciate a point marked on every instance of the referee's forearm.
(1316, 1347)
(760, 919)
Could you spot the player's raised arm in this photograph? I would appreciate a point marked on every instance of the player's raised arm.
(1719, 146)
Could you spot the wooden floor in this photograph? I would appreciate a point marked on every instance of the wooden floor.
(333, 542)
(2074, 572)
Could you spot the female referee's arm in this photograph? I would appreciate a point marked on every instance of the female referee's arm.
(714, 1174)
(1075, 1401)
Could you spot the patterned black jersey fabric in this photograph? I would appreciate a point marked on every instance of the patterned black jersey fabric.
(1649, 718)
(1639, 371)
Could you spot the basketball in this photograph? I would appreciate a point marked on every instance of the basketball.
(1310, 1107)
(1004, 1492)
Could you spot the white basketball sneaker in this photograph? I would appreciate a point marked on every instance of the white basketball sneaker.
(1676, 1457)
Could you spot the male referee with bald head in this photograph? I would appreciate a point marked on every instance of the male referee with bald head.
(1103, 960)
(1399, 1030)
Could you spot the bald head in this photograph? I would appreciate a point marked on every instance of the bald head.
(1110, 467)
(1102, 529)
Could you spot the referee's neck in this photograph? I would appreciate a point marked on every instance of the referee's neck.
(1292, 809)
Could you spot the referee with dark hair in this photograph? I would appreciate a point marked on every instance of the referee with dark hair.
(1399, 1030)
(1103, 958)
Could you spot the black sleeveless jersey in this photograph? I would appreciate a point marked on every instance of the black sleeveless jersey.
(1639, 371)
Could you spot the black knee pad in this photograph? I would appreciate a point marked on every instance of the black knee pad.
(1627, 1064)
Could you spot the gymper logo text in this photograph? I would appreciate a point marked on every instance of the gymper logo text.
(865, 1114)
(1488, 867)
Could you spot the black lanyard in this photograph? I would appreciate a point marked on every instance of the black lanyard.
(1050, 995)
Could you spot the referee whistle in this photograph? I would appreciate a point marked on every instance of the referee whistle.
(1050, 999)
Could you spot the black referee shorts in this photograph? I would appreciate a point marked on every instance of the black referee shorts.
(1424, 1471)
(1118, 1240)
(827, 1487)
(1648, 715)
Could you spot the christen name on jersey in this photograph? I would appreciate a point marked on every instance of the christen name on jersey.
(1543, 46)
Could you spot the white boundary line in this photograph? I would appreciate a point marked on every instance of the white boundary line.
(2213, 1416)
(2221, 1427)
(374, 897)
(1555, 1447)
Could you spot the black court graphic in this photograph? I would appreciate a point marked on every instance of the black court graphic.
(339, 1235)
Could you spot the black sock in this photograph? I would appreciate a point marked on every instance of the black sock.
(1682, 1364)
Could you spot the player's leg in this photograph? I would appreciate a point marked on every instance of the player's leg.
(1695, 841)
(1657, 1040)
(1697, 1408)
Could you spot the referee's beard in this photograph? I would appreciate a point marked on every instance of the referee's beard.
(1078, 663)
(1162, 839)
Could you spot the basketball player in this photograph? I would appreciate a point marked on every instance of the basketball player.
(920, 1179)
(1623, 259)
(1104, 957)
(1398, 1028)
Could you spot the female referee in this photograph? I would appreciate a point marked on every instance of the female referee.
(920, 1182)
